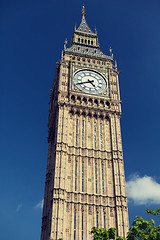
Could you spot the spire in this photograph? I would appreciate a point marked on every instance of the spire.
(83, 27)
(85, 42)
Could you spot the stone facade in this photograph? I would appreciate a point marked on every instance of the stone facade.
(85, 181)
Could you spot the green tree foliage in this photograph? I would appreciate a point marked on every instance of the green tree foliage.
(103, 234)
(140, 229)
(154, 212)
(56, 239)
(145, 229)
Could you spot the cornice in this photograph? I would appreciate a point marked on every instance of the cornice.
(116, 155)
(97, 200)
(89, 110)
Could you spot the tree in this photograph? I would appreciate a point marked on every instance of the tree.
(56, 239)
(103, 234)
(144, 229)
(140, 229)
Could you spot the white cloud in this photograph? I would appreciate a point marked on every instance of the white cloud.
(39, 205)
(19, 207)
(143, 190)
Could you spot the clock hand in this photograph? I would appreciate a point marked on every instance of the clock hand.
(91, 82)
(85, 82)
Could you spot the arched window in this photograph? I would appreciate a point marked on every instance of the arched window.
(102, 179)
(84, 101)
(101, 135)
(82, 226)
(78, 99)
(102, 103)
(107, 104)
(97, 218)
(76, 132)
(76, 176)
(73, 98)
(82, 133)
(74, 225)
(90, 101)
(96, 177)
(95, 102)
(82, 176)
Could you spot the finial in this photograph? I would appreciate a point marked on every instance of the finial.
(95, 30)
(75, 27)
(111, 53)
(115, 64)
(110, 49)
(65, 43)
(83, 11)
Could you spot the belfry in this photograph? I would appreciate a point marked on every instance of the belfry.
(85, 180)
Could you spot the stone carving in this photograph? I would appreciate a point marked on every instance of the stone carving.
(68, 207)
(90, 210)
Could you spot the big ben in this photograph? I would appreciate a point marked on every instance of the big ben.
(85, 180)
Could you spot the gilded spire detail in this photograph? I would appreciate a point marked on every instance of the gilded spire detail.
(83, 11)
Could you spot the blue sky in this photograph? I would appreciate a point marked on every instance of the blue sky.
(32, 37)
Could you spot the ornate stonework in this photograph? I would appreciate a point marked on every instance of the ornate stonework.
(85, 182)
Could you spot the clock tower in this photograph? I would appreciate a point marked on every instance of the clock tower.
(85, 181)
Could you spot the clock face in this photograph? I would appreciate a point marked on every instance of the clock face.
(89, 81)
